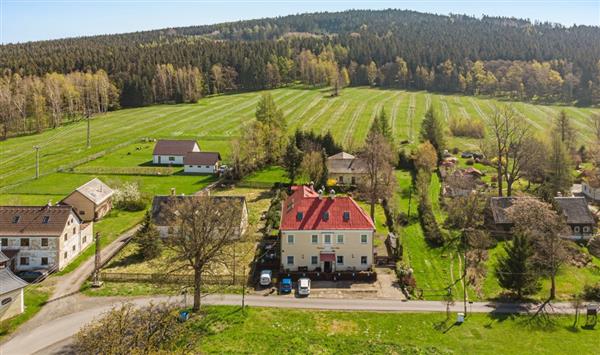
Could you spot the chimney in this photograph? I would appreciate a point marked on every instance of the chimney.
(311, 185)
(173, 191)
(332, 194)
(320, 194)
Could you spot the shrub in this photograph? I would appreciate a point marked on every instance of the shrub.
(129, 198)
(406, 277)
(405, 160)
(592, 292)
(455, 150)
(431, 230)
(470, 162)
(461, 127)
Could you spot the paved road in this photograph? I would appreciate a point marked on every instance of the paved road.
(44, 339)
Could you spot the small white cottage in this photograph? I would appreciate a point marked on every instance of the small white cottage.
(201, 162)
(11, 294)
(171, 152)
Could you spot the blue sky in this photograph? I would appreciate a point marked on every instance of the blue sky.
(27, 20)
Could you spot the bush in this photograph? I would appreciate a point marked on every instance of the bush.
(406, 278)
(129, 198)
(592, 292)
(405, 160)
(431, 230)
(470, 162)
(472, 128)
(455, 150)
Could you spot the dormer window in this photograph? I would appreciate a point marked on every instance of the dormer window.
(346, 216)
(325, 216)
(299, 216)
(16, 219)
(45, 219)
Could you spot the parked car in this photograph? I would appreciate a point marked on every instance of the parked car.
(266, 277)
(304, 286)
(286, 285)
(32, 276)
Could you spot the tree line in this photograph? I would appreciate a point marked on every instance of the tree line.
(492, 56)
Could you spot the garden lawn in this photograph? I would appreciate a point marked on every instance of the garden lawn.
(269, 330)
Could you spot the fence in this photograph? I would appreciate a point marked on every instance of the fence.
(180, 279)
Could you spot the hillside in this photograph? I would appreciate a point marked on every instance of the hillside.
(216, 120)
(425, 42)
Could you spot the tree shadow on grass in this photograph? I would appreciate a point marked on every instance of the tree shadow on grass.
(131, 259)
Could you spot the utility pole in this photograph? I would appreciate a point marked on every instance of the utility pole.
(37, 161)
(96, 276)
(244, 290)
(89, 141)
(465, 272)
(233, 281)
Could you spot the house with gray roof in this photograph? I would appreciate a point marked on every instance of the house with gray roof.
(11, 294)
(578, 216)
(346, 169)
(91, 201)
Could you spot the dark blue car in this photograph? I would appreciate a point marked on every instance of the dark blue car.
(286, 285)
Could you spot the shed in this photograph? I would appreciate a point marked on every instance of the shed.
(91, 201)
(201, 162)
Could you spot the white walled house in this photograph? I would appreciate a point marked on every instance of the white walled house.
(346, 169)
(591, 191)
(171, 152)
(11, 294)
(201, 162)
(324, 233)
(42, 237)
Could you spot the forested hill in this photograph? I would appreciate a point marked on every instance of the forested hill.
(496, 56)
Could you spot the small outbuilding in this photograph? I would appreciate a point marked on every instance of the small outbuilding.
(172, 152)
(91, 201)
(11, 294)
(201, 162)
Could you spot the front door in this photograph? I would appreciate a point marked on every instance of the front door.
(327, 266)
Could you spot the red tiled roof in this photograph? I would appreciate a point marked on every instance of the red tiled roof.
(201, 158)
(34, 220)
(305, 201)
(173, 147)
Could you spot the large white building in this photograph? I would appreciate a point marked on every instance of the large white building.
(324, 233)
(42, 237)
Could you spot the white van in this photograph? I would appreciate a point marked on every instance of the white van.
(265, 277)
(304, 287)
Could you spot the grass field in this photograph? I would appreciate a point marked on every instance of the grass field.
(264, 330)
(215, 120)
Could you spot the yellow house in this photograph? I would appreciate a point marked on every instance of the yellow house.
(91, 201)
(346, 169)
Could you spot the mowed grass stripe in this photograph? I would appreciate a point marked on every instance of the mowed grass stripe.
(394, 113)
(335, 117)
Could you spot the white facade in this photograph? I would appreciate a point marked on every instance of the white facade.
(345, 250)
(46, 252)
(590, 192)
(201, 169)
(168, 159)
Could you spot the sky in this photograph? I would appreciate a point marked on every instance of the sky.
(31, 20)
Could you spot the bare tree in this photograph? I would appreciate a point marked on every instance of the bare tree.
(380, 180)
(539, 222)
(202, 228)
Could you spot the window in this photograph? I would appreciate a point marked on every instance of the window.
(16, 219)
(290, 239)
(364, 239)
(363, 260)
(171, 158)
(74, 229)
(208, 166)
(24, 260)
(44, 242)
(327, 239)
(340, 239)
(586, 229)
(4, 242)
(314, 239)
(314, 260)
(299, 216)
(45, 219)
(346, 216)
(73, 248)
(24, 242)
(44, 260)
(65, 238)
(325, 216)
(340, 259)
(290, 260)
(84, 239)
(576, 229)
(81, 212)
(6, 301)
(65, 254)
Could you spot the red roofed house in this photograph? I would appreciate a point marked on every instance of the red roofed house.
(201, 162)
(324, 233)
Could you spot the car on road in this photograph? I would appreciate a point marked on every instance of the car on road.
(33, 276)
(266, 277)
(304, 286)
(286, 285)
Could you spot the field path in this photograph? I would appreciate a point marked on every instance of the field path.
(394, 113)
